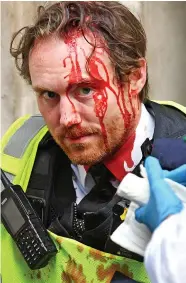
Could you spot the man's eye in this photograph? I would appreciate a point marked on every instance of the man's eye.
(49, 95)
(85, 91)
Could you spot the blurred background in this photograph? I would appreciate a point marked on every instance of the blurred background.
(165, 25)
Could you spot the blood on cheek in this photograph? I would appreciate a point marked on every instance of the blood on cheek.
(101, 97)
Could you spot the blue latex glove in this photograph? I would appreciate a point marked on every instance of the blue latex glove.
(178, 175)
(162, 202)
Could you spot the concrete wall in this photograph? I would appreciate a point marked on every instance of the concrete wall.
(165, 25)
(164, 22)
(17, 98)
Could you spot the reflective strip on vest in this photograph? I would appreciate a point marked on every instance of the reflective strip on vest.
(18, 143)
(10, 178)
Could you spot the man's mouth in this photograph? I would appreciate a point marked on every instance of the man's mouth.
(78, 138)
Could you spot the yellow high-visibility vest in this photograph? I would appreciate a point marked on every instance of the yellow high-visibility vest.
(74, 262)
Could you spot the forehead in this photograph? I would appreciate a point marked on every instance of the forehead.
(52, 49)
(52, 57)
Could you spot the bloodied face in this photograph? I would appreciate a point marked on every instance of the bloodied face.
(89, 113)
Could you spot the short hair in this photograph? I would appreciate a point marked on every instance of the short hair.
(122, 32)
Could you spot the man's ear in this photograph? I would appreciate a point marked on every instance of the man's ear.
(137, 77)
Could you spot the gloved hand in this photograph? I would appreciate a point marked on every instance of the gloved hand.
(162, 202)
(177, 175)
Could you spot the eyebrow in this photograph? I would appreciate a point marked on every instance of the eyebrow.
(72, 84)
(86, 81)
(38, 89)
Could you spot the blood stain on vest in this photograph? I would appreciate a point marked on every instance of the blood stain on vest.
(111, 256)
(59, 240)
(108, 272)
(97, 255)
(39, 274)
(31, 276)
(74, 273)
(80, 248)
(125, 270)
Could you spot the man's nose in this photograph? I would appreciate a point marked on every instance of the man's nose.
(69, 115)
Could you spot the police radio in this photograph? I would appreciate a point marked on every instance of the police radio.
(25, 226)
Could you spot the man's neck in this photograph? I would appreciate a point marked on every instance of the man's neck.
(130, 154)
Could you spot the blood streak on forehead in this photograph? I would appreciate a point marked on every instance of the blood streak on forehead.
(71, 41)
(75, 74)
